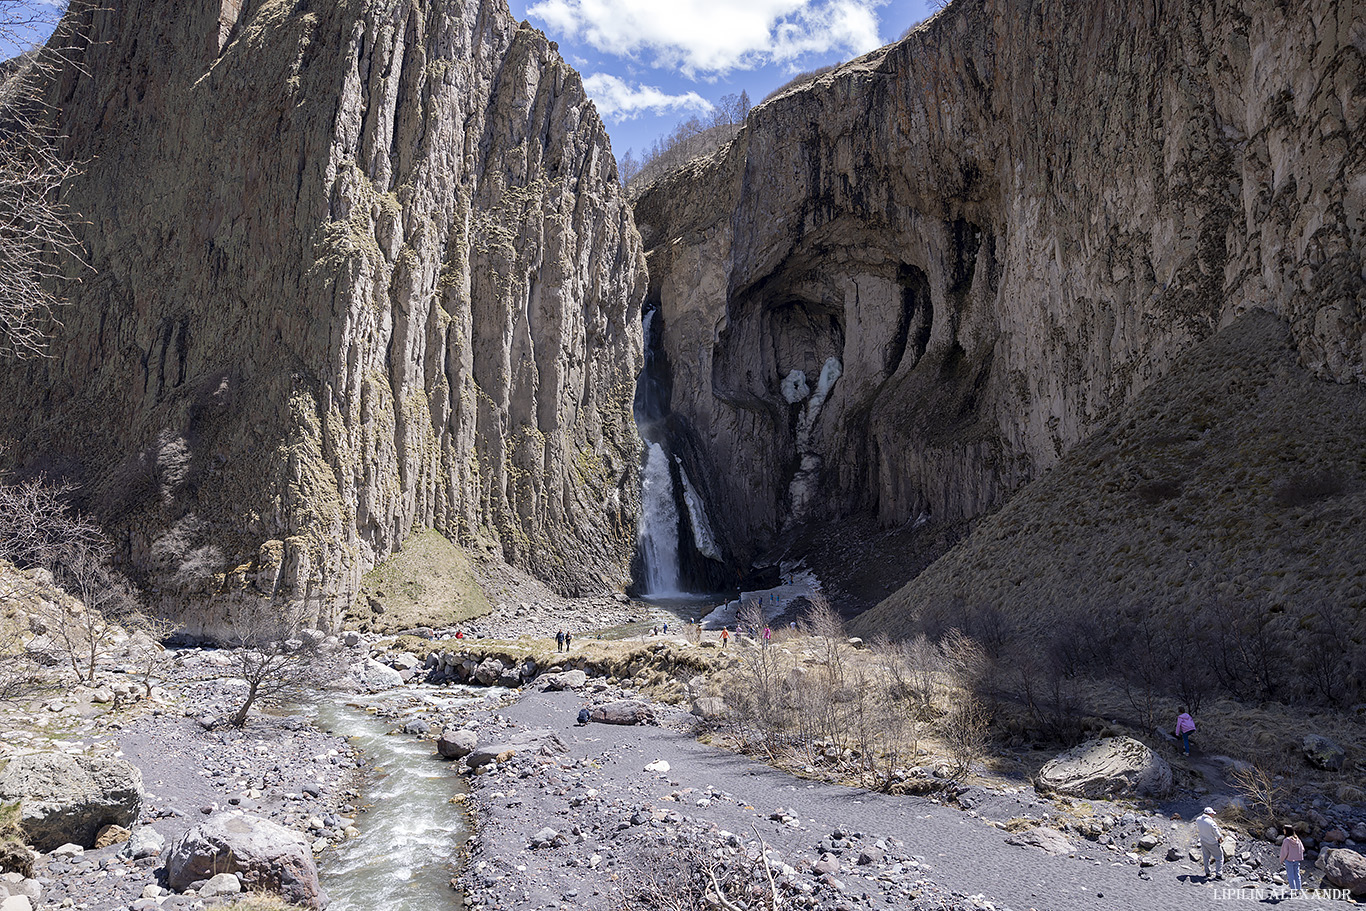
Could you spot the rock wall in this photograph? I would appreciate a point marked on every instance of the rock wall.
(356, 268)
(998, 230)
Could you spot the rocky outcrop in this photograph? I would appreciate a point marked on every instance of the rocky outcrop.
(909, 286)
(355, 269)
(68, 799)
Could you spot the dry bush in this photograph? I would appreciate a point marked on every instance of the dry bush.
(966, 732)
(1264, 792)
(689, 880)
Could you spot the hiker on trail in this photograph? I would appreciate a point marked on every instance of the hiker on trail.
(568, 638)
(666, 629)
(1292, 852)
(725, 636)
(559, 641)
(1185, 726)
(768, 634)
(1210, 836)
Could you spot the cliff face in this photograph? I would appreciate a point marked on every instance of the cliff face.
(990, 235)
(358, 267)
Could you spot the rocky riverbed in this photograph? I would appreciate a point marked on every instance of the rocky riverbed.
(607, 815)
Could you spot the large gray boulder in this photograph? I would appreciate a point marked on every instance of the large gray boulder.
(623, 711)
(69, 798)
(456, 743)
(538, 740)
(1106, 768)
(1345, 869)
(371, 676)
(568, 680)
(265, 856)
(1050, 840)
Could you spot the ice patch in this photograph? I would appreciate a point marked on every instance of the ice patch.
(795, 388)
(702, 535)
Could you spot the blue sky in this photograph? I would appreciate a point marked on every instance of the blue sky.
(649, 64)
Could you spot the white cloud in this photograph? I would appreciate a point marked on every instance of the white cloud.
(713, 37)
(617, 101)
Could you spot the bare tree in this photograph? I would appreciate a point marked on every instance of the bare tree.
(36, 240)
(277, 658)
(90, 623)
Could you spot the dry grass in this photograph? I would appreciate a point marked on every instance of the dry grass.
(1236, 485)
(428, 583)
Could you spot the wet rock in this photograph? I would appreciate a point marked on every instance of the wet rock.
(264, 855)
(68, 798)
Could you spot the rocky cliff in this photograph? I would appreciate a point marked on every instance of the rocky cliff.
(908, 287)
(356, 268)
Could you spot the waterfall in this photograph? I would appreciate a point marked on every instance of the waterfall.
(658, 530)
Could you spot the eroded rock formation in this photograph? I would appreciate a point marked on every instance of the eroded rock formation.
(995, 232)
(357, 268)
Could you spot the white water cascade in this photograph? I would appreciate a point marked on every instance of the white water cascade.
(658, 530)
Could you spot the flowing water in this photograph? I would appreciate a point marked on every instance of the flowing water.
(658, 530)
(404, 857)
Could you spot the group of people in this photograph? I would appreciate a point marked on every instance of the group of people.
(1212, 837)
(1212, 848)
(562, 640)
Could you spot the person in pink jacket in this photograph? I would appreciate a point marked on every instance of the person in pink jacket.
(1292, 852)
(1185, 726)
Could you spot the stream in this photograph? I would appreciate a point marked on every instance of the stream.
(410, 831)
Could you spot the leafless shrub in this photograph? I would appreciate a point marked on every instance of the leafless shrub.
(277, 658)
(966, 731)
(1264, 792)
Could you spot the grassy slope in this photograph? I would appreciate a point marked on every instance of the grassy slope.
(428, 583)
(1238, 477)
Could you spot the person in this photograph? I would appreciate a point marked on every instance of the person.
(1292, 852)
(666, 629)
(568, 638)
(768, 633)
(559, 641)
(1210, 836)
(1185, 726)
(583, 716)
(460, 634)
(725, 635)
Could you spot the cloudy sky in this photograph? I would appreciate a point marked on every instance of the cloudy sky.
(649, 64)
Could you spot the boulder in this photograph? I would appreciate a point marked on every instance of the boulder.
(144, 842)
(623, 711)
(1050, 840)
(70, 798)
(265, 856)
(568, 680)
(1345, 869)
(542, 740)
(456, 743)
(709, 708)
(1324, 753)
(489, 671)
(371, 676)
(1105, 768)
(111, 835)
(221, 884)
(16, 903)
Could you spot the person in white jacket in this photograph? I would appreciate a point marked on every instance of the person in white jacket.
(1210, 835)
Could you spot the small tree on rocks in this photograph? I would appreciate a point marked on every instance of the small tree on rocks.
(277, 658)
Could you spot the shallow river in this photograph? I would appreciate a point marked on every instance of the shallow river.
(404, 857)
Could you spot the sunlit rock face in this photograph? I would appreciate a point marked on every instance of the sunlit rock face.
(1001, 228)
(356, 268)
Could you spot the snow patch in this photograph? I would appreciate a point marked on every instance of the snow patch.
(795, 388)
